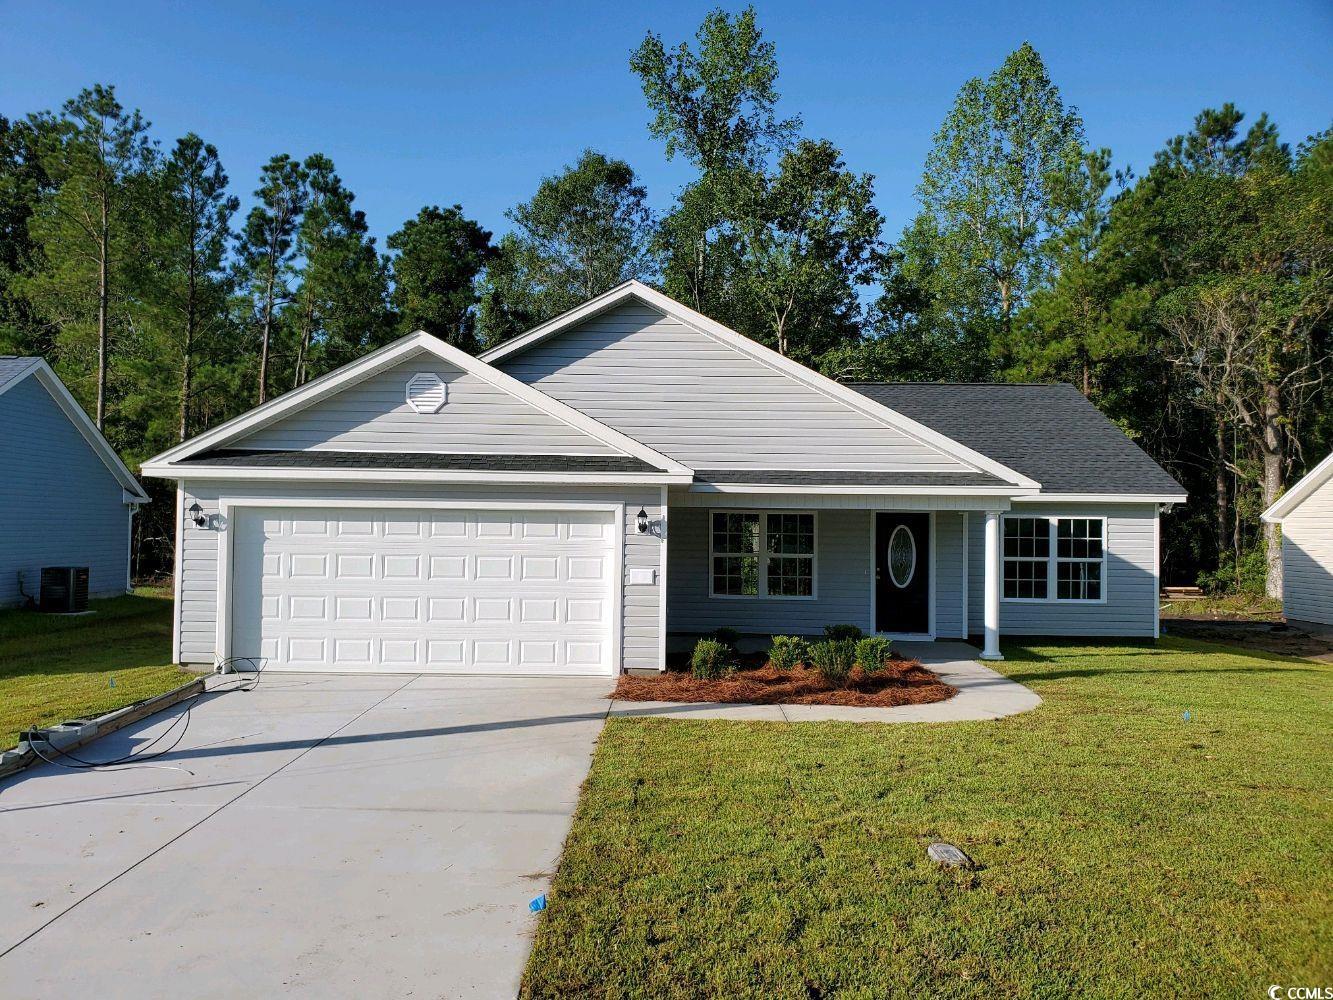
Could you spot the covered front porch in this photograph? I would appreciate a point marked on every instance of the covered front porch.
(911, 567)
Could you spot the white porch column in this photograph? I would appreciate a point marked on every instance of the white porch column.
(991, 618)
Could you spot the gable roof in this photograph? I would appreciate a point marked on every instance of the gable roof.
(635, 290)
(172, 463)
(1049, 432)
(1302, 491)
(14, 370)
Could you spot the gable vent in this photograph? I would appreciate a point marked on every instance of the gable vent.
(426, 392)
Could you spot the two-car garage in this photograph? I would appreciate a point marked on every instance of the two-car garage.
(424, 589)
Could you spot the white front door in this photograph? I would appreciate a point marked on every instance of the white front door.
(439, 591)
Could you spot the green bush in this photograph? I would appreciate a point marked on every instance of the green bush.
(1250, 577)
(787, 651)
(711, 660)
(834, 659)
(839, 632)
(729, 637)
(872, 653)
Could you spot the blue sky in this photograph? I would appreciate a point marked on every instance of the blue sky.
(474, 103)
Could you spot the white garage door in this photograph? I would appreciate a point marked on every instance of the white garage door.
(442, 591)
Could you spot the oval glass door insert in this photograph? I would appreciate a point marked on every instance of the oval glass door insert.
(902, 556)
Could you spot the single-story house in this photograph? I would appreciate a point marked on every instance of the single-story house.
(1306, 514)
(633, 470)
(66, 498)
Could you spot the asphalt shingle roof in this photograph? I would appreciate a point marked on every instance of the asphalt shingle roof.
(1050, 433)
(233, 458)
(787, 477)
(12, 368)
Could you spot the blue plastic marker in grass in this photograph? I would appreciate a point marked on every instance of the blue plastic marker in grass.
(538, 904)
(1187, 715)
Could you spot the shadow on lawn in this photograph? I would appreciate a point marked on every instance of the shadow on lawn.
(1053, 675)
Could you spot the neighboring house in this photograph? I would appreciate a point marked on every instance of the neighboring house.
(631, 470)
(1306, 514)
(66, 499)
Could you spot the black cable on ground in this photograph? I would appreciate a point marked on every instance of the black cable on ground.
(141, 755)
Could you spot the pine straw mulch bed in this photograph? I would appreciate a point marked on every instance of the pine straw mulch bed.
(902, 682)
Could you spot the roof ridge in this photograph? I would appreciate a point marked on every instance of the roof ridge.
(978, 385)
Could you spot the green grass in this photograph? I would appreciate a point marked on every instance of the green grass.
(1255, 606)
(57, 668)
(1124, 851)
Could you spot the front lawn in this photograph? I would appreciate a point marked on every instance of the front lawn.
(54, 668)
(1125, 850)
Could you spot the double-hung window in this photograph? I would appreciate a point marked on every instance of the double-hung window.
(1054, 558)
(762, 554)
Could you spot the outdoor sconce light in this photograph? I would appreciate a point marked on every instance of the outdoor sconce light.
(641, 521)
(197, 515)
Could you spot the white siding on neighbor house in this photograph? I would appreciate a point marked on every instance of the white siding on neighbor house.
(59, 503)
(1307, 558)
(200, 549)
(706, 404)
(373, 415)
(1130, 587)
(844, 576)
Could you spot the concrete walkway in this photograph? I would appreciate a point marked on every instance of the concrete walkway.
(982, 694)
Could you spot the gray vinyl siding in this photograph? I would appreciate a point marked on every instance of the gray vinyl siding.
(1307, 557)
(949, 556)
(59, 503)
(706, 404)
(844, 571)
(200, 547)
(373, 415)
(1131, 584)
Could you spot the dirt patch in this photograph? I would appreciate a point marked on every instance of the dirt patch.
(1266, 637)
(903, 682)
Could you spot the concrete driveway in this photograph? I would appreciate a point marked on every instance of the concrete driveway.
(323, 835)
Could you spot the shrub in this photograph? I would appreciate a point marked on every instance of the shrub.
(787, 651)
(729, 637)
(834, 659)
(711, 660)
(838, 632)
(872, 653)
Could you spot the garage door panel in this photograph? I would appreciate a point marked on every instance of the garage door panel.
(439, 590)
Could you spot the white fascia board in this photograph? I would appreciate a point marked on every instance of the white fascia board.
(133, 493)
(1106, 498)
(958, 491)
(166, 470)
(1295, 496)
(806, 376)
(390, 355)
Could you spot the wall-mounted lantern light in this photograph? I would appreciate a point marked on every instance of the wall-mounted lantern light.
(197, 515)
(641, 521)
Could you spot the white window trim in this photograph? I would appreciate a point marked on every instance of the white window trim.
(1053, 559)
(763, 555)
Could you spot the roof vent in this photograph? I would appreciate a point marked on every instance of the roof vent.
(426, 392)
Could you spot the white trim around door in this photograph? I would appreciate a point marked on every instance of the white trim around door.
(928, 636)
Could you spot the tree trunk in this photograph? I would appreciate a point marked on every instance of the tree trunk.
(187, 362)
(1221, 485)
(1087, 378)
(1271, 446)
(307, 323)
(268, 326)
(103, 307)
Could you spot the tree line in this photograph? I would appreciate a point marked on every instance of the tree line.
(1191, 302)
